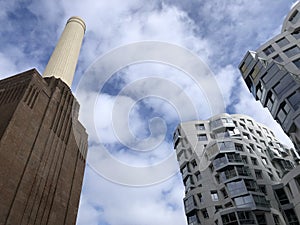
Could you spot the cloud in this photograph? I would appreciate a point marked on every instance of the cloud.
(220, 32)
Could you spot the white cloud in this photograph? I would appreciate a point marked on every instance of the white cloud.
(218, 31)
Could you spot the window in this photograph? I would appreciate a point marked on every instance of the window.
(189, 203)
(236, 187)
(296, 34)
(224, 193)
(270, 100)
(295, 17)
(282, 42)
(244, 159)
(198, 175)
(297, 63)
(200, 127)
(283, 111)
(238, 147)
(246, 217)
(271, 176)
(261, 201)
(258, 174)
(282, 197)
(218, 207)
(268, 50)
(276, 219)
(200, 197)
(205, 213)
(194, 163)
(291, 217)
(193, 219)
(294, 100)
(214, 195)
(292, 51)
(261, 219)
(202, 137)
(244, 201)
(254, 161)
(264, 161)
(286, 83)
(277, 58)
(262, 189)
(229, 219)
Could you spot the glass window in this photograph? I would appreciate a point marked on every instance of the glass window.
(189, 203)
(268, 50)
(282, 197)
(193, 219)
(244, 201)
(277, 58)
(291, 217)
(205, 213)
(295, 17)
(270, 100)
(292, 51)
(200, 127)
(297, 63)
(236, 187)
(229, 219)
(284, 85)
(296, 34)
(224, 193)
(258, 174)
(198, 175)
(214, 195)
(200, 197)
(282, 42)
(202, 137)
(254, 161)
(276, 219)
(261, 219)
(294, 100)
(262, 189)
(246, 217)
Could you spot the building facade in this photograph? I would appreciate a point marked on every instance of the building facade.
(235, 171)
(43, 146)
(272, 74)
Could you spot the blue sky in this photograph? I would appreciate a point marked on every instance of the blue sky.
(219, 32)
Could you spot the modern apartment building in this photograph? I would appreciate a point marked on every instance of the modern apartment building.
(236, 172)
(272, 74)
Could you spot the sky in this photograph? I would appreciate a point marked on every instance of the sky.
(144, 67)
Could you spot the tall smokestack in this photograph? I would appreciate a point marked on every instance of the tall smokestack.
(62, 63)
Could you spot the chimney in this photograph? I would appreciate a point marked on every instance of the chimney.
(63, 61)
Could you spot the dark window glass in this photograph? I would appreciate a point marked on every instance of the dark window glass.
(292, 51)
(193, 219)
(295, 17)
(285, 84)
(283, 111)
(200, 127)
(202, 137)
(205, 213)
(282, 42)
(277, 58)
(291, 217)
(297, 63)
(296, 34)
(294, 100)
(261, 219)
(282, 197)
(258, 174)
(269, 50)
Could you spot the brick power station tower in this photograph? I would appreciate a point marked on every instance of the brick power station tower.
(43, 146)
